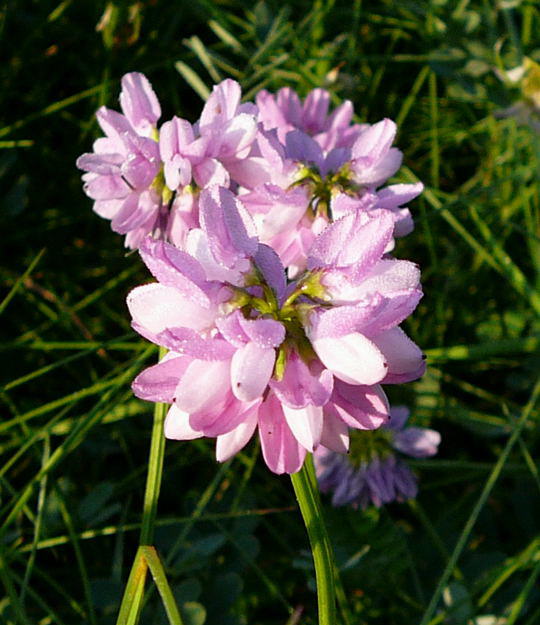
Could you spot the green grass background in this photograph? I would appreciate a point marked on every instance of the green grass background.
(74, 441)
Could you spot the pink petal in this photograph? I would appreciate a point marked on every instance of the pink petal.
(281, 451)
(187, 341)
(177, 426)
(156, 307)
(300, 386)
(227, 445)
(175, 268)
(263, 332)
(139, 102)
(227, 234)
(251, 368)
(210, 172)
(113, 124)
(290, 105)
(222, 103)
(335, 434)
(305, 424)
(158, 383)
(106, 187)
(356, 240)
(203, 385)
(237, 136)
(360, 407)
(375, 141)
(315, 110)
(402, 354)
(352, 358)
(398, 194)
(376, 173)
(223, 416)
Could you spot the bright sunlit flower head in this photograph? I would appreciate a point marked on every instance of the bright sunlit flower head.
(301, 361)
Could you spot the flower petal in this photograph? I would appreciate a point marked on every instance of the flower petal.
(227, 445)
(177, 426)
(281, 451)
(251, 368)
(352, 358)
(305, 423)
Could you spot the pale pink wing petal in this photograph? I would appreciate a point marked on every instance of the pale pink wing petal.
(203, 385)
(156, 307)
(375, 140)
(225, 229)
(335, 434)
(263, 332)
(398, 194)
(139, 102)
(315, 110)
(360, 407)
(355, 241)
(175, 268)
(300, 387)
(177, 426)
(403, 356)
(352, 358)
(158, 383)
(251, 368)
(237, 136)
(227, 445)
(222, 103)
(305, 423)
(281, 451)
(379, 171)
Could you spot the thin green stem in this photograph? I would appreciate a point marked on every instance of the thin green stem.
(307, 495)
(155, 471)
(132, 601)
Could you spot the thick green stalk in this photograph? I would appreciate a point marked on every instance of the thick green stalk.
(305, 488)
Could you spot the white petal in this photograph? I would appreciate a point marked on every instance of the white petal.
(156, 307)
(203, 384)
(227, 445)
(177, 426)
(402, 354)
(306, 424)
(251, 368)
(352, 358)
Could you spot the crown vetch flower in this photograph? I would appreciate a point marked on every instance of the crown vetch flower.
(301, 185)
(146, 180)
(372, 473)
(300, 361)
(122, 174)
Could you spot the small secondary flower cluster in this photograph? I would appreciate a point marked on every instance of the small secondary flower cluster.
(269, 233)
(373, 473)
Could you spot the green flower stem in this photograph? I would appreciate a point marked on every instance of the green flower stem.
(132, 601)
(155, 471)
(305, 488)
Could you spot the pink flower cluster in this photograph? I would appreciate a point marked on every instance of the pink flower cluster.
(269, 236)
